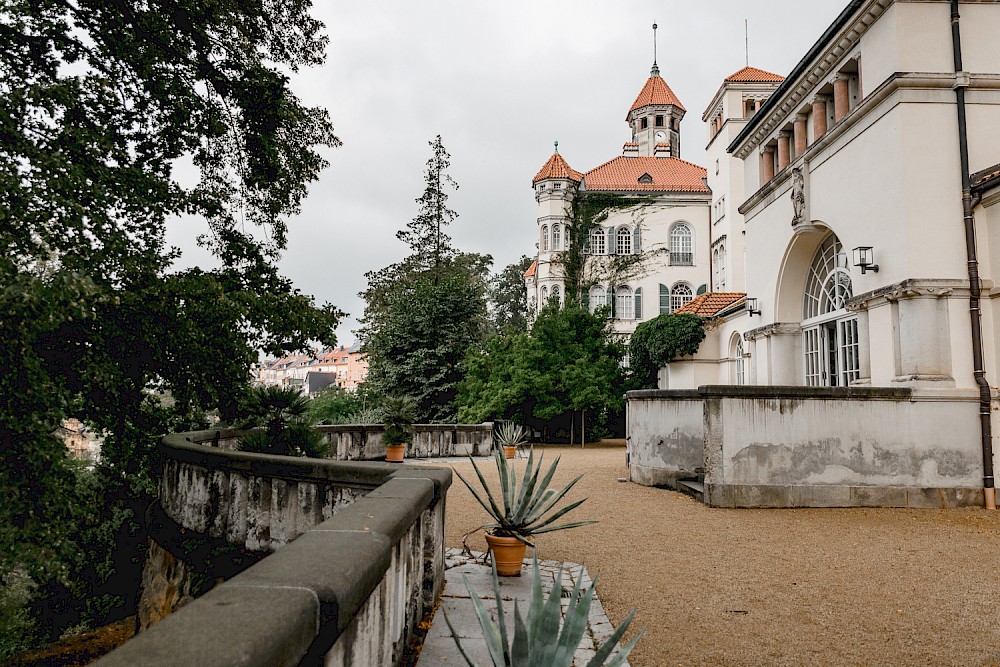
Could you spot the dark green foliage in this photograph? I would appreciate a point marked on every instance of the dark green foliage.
(567, 363)
(656, 342)
(284, 429)
(18, 630)
(508, 298)
(102, 104)
(338, 406)
(398, 415)
(424, 233)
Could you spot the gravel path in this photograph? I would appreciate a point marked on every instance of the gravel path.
(772, 587)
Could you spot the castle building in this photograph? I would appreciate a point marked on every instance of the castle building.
(651, 253)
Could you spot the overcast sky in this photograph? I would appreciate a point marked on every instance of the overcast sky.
(499, 81)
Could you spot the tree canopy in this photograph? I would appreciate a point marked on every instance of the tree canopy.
(657, 342)
(115, 119)
(508, 298)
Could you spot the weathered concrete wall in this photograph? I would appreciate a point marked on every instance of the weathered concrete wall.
(363, 442)
(812, 447)
(346, 589)
(666, 437)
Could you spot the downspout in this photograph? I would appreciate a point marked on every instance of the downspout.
(975, 287)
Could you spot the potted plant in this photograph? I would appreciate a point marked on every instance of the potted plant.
(545, 637)
(398, 415)
(510, 436)
(525, 510)
(276, 422)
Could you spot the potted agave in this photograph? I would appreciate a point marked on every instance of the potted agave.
(510, 436)
(524, 510)
(398, 421)
(544, 637)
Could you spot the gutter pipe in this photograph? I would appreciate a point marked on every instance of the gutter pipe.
(975, 286)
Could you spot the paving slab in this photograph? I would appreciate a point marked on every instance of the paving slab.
(439, 645)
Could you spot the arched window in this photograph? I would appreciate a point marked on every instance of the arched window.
(545, 296)
(556, 237)
(597, 241)
(545, 237)
(681, 245)
(624, 304)
(715, 270)
(719, 268)
(623, 244)
(680, 295)
(829, 331)
(556, 294)
(598, 298)
(739, 361)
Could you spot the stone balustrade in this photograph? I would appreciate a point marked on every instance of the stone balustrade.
(304, 560)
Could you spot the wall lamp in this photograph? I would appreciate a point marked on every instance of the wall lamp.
(752, 307)
(864, 258)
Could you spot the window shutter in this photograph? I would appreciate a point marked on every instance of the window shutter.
(664, 299)
(638, 303)
(610, 232)
(586, 244)
(637, 241)
(611, 301)
(702, 290)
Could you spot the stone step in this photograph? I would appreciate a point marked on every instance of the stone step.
(693, 488)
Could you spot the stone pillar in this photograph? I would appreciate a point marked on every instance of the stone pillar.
(819, 117)
(841, 97)
(924, 336)
(767, 165)
(801, 138)
(783, 149)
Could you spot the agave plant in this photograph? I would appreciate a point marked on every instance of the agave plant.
(544, 638)
(509, 434)
(528, 508)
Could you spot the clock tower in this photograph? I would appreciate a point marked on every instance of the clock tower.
(655, 119)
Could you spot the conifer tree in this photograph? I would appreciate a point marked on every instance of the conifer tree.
(424, 233)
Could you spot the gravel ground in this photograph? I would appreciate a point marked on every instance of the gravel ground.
(771, 587)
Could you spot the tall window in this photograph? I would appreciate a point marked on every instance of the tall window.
(623, 245)
(624, 304)
(545, 297)
(556, 237)
(598, 297)
(680, 295)
(739, 369)
(545, 237)
(719, 268)
(556, 294)
(681, 245)
(597, 238)
(829, 331)
(664, 299)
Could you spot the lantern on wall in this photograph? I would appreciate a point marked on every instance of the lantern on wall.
(864, 258)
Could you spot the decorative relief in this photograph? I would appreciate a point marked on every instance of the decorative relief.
(798, 197)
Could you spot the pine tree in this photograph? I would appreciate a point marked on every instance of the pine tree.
(424, 233)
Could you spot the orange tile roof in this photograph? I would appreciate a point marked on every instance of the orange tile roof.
(711, 303)
(984, 179)
(656, 91)
(670, 174)
(530, 273)
(753, 75)
(557, 167)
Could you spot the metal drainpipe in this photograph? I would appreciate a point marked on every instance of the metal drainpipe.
(975, 288)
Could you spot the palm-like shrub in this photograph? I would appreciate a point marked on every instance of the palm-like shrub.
(278, 416)
(528, 508)
(544, 638)
(398, 413)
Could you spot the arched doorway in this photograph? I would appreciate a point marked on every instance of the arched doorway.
(829, 331)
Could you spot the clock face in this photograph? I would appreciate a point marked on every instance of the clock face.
(661, 136)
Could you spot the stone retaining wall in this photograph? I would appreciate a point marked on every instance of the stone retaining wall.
(356, 558)
(810, 446)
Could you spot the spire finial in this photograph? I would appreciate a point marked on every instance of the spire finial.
(656, 70)
(556, 142)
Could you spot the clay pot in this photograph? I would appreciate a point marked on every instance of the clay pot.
(509, 451)
(508, 554)
(394, 453)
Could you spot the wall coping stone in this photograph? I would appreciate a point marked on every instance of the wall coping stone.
(776, 391)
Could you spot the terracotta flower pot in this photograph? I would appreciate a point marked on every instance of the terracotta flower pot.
(394, 453)
(508, 554)
(509, 451)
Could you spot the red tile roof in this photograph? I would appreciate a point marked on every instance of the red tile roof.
(530, 273)
(670, 174)
(987, 178)
(656, 91)
(557, 167)
(753, 75)
(711, 303)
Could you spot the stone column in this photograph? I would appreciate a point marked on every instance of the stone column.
(767, 165)
(801, 138)
(783, 149)
(924, 336)
(819, 117)
(841, 97)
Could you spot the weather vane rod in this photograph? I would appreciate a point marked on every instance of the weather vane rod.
(746, 36)
(654, 45)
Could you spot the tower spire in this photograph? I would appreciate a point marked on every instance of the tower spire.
(556, 142)
(656, 70)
